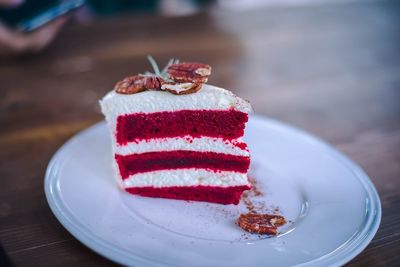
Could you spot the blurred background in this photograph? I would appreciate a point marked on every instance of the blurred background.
(329, 67)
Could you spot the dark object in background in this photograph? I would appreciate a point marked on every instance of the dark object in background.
(107, 7)
(4, 259)
(33, 14)
(113, 7)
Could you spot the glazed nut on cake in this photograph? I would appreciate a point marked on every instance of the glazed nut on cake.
(174, 136)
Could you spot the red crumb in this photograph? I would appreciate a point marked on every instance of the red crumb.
(242, 146)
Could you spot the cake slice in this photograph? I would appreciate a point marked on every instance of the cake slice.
(178, 138)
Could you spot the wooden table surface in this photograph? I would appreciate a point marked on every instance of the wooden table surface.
(333, 70)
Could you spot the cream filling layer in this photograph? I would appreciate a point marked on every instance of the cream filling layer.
(185, 177)
(203, 144)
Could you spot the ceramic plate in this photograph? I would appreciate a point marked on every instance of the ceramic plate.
(332, 208)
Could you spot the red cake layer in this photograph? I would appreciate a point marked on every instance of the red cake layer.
(216, 194)
(180, 159)
(227, 124)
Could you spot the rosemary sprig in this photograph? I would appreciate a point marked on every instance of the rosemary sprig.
(154, 65)
(170, 62)
(163, 74)
(164, 70)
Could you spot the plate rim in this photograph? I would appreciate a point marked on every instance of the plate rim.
(338, 257)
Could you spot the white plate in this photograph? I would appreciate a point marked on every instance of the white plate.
(333, 208)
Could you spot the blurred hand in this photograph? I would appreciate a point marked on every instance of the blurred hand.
(13, 42)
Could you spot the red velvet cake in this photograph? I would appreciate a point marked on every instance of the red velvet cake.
(174, 136)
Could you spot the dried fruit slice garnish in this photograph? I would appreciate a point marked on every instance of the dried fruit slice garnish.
(260, 223)
(181, 88)
(130, 85)
(189, 72)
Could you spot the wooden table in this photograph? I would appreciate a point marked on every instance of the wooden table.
(333, 70)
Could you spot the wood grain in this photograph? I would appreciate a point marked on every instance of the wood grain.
(333, 70)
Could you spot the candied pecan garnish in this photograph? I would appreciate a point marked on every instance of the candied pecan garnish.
(260, 223)
(181, 88)
(130, 85)
(189, 72)
(153, 82)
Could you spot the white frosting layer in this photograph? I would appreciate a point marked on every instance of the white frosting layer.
(186, 177)
(208, 97)
(181, 143)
